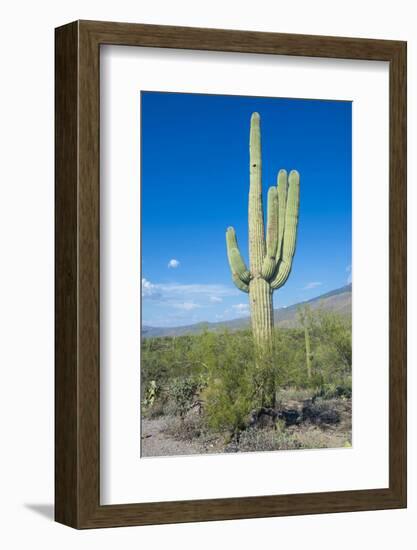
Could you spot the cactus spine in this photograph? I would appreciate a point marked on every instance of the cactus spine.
(270, 255)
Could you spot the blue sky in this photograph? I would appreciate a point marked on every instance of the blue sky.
(195, 183)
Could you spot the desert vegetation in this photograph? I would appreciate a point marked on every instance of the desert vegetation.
(200, 393)
(261, 390)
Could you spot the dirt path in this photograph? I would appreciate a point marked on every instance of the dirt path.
(156, 443)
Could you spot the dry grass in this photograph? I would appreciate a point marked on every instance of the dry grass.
(304, 436)
(190, 435)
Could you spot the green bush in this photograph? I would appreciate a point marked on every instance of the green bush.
(334, 391)
(220, 370)
(183, 393)
(230, 394)
(153, 390)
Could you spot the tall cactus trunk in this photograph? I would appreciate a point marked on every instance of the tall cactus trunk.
(260, 293)
(256, 213)
(262, 315)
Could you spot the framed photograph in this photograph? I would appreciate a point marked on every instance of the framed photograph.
(230, 274)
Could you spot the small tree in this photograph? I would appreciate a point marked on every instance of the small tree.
(332, 334)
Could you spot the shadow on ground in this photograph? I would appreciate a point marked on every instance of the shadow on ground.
(45, 510)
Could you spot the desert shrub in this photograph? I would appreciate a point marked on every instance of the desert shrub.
(258, 440)
(344, 389)
(166, 358)
(334, 391)
(229, 396)
(330, 352)
(294, 394)
(279, 439)
(152, 392)
(332, 356)
(220, 370)
(183, 393)
(289, 357)
(157, 410)
(153, 399)
(310, 437)
(187, 429)
(321, 413)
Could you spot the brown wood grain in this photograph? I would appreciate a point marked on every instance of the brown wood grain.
(66, 237)
(77, 360)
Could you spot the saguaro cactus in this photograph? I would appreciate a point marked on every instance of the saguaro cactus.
(304, 317)
(270, 255)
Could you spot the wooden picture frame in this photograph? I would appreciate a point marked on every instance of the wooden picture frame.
(77, 374)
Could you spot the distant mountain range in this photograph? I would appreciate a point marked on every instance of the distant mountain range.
(339, 301)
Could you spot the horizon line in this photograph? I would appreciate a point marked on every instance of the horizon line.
(245, 317)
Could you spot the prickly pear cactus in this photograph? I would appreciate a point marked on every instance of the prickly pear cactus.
(270, 254)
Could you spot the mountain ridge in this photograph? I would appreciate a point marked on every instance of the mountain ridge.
(338, 300)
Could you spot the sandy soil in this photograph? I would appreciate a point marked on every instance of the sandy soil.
(168, 436)
(157, 443)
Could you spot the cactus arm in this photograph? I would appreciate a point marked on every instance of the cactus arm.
(239, 283)
(290, 231)
(236, 262)
(269, 263)
(282, 186)
(238, 265)
(256, 217)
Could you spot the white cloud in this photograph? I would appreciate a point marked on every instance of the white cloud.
(168, 320)
(186, 306)
(175, 304)
(186, 292)
(241, 307)
(172, 304)
(197, 288)
(173, 263)
(313, 284)
(149, 290)
(242, 310)
(236, 310)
